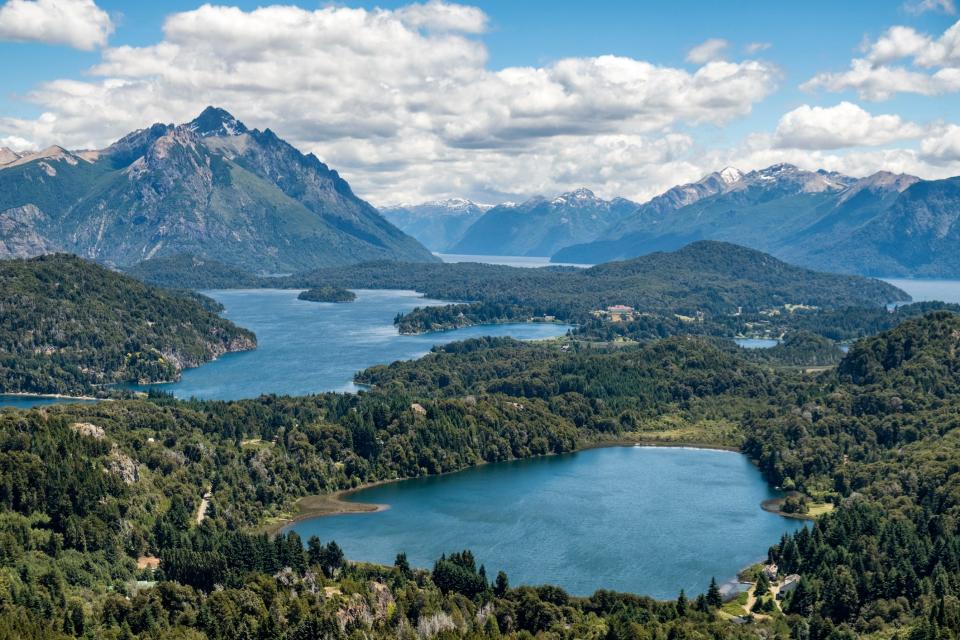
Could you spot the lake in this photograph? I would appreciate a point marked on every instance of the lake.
(532, 262)
(25, 402)
(308, 347)
(926, 290)
(647, 520)
(756, 343)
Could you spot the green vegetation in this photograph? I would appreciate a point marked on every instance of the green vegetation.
(327, 294)
(69, 326)
(191, 272)
(87, 490)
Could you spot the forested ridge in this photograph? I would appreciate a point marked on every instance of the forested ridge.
(85, 490)
(705, 288)
(70, 326)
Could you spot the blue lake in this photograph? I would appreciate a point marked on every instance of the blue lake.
(926, 290)
(308, 347)
(25, 402)
(647, 520)
(756, 343)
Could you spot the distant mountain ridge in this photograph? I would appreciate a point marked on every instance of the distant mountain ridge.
(439, 224)
(541, 226)
(211, 188)
(885, 224)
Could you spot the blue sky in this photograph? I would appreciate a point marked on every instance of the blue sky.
(804, 40)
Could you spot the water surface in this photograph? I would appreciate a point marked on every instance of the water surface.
(927, 290)
(648, 520)
(26, 402)
(532, 262)
(756, 343)
(308, 347)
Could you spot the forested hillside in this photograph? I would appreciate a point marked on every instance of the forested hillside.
(85, 490)
(729, 285)
(69, 326)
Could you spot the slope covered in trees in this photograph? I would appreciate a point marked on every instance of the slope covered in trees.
(67, 325)
(84, 490)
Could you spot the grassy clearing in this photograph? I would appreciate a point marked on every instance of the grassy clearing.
(737, 606)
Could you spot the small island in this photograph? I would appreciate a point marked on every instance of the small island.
(327, 294)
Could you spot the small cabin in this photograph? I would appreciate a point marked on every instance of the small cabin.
(789, 585)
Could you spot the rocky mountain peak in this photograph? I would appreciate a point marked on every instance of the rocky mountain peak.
(214, 121)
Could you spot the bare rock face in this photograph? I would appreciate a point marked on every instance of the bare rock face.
(19, 233)
(88, 429)
(211, 188)
(124, 466)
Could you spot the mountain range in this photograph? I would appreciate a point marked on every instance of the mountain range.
(211, 188)
(541, 226)
(885, 224)
(439, 224)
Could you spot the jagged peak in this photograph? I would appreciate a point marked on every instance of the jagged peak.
(730, 175)
(214, 121)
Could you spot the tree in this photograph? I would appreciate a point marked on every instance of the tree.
(682, 603)
(501, 585)
(714, 599)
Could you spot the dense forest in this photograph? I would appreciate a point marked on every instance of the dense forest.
(705, 288)
(87, 490)
(69, 326)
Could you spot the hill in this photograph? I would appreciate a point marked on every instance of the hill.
(68, 325)
(726, 283)
(211, 188)
(885, 224)
(190, 272)
(541, 226)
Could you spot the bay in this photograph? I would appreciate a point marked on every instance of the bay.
(309, 347)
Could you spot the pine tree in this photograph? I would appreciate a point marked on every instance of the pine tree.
(714, 599)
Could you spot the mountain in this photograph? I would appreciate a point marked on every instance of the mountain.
(438, 225)
(68, 325)
(211, 188)
(885, 224)
(7, 156)
(540, 227)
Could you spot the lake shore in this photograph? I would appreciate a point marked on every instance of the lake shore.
(333, 504)
(55, 396)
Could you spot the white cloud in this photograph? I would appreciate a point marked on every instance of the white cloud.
(403, 102)
(923, 6)
(926, 65)
(757, 47)
(844, 125)
(943, 147)
(80, 24)
(707, 50)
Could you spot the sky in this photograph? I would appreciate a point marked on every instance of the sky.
(503, 100)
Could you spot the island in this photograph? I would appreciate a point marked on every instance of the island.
(327, 294)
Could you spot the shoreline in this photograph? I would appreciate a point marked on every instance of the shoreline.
(333, 504)
(55, 396)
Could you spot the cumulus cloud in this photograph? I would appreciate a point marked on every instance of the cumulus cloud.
(707, 50)
(844, 125)
(902, 60)
(80, 24)
(403, 100)
(943, 147)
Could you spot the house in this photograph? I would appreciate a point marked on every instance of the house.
(788, 586)
(770, 570)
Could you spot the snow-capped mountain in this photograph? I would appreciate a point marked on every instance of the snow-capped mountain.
(883, 224)
(540, 226)
(438, 224)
